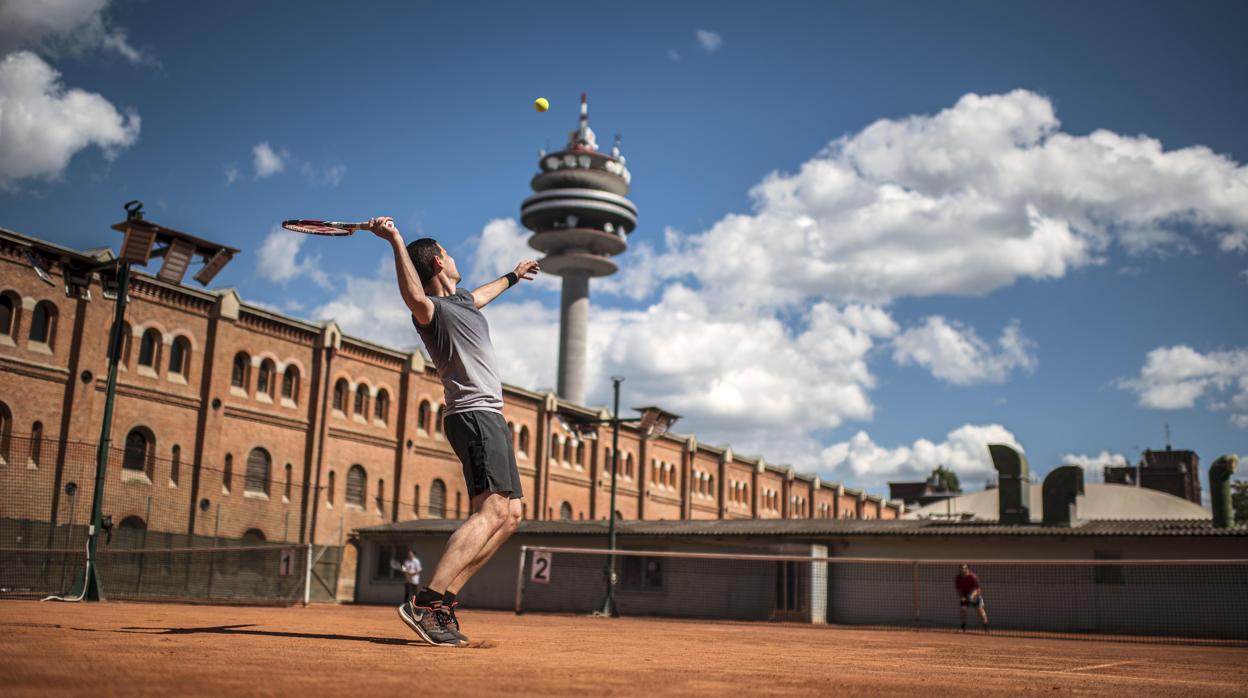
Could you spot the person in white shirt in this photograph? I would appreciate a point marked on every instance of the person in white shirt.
(411, 573)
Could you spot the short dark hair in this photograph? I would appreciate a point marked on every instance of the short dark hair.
(423, 252)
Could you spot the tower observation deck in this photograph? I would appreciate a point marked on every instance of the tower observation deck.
(580, 217)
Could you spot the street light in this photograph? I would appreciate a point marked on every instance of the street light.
(653, 423)
(136, 248)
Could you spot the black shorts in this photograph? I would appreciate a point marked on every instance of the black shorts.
(482, 442)
(976, 602)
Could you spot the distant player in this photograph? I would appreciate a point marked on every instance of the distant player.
(411, 569)
(971, 593)
(457, 337)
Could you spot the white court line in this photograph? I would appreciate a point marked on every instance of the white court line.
(1101, 666)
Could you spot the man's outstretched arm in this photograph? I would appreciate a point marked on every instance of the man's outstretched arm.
(524, 271)
(409, 282)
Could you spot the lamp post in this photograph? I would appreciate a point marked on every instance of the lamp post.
(136, 248)
(653, 423)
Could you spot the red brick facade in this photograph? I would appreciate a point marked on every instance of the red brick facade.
(349, 431)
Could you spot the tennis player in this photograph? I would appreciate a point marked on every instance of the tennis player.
(457, 337)
(970, 594)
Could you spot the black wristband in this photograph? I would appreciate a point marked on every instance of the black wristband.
(512, 279)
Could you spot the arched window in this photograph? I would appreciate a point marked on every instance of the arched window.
(133, 523)
(253, 536)
(258, 463)
(227, 475)
(149, 348)
(381, 496)
(422, 416)
(524, 440)
(381, 408)
(125, 346)
(580, 453)
(329, 490)
(565, 511)
(628, 465)
(242, 364)
(290, 384)
(745, 493)
(264, 382)
(286, 493)
(6, 431)
(43, 323)
(710, 485)
(138, 453)
(416, 500)
(356, 483)
(437, 500)
(36, 443)
(567, 451)
(437, 419)
(10, 304)
(361, 400)
(175, 465)
(180, 356)
(340, 395)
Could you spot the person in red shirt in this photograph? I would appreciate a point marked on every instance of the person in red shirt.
(971, 594)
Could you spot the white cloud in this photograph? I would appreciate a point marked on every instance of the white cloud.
(502, 245)
(231, 174)
(955, 353)
(964, 451)
(278, 260)
(1178, 377)
(1093, 465)
(673, 55)
(267, 161)
(52, 26)
(1236, 241)
(962, 202)
(709, 40)
(1240, 421)
(327, 176)
(43, 124)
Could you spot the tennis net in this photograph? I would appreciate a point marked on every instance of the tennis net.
(1159, 600)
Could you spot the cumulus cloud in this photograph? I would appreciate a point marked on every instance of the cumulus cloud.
(709, 41)
(1240, 421)
(267, 161)
(502, 245)
(231, 174)
(955, 354)
(43, 124)
(278, 260)
(1178, 377)
(70, 26)
(1236, 241)
(962, 202)
(964, 451)
(1093, 466)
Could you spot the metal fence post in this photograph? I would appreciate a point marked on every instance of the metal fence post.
(520, 578)
(307, 576)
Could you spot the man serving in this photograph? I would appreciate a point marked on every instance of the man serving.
(457, 337)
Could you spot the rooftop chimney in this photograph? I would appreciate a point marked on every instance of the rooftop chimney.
(1013, 487)
(1220, 490)
(1062, 488)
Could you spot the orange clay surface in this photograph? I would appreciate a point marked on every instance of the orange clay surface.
(134, 649)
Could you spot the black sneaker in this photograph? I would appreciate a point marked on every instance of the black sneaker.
(429, 624)
(451, 622)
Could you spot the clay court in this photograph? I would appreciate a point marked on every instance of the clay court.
(167, 649)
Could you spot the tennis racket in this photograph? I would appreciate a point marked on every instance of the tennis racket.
(311, 227)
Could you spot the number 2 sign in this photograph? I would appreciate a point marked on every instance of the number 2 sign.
(539, 569)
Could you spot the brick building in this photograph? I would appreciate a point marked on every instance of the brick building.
(1173, 471)
(237, 422)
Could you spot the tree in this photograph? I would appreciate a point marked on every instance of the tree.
(947, 479)
(1239, 500)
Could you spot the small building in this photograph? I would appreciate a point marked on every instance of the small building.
(1102, 502)
(1175, 472)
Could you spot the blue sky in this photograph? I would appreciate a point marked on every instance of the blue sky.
(884, 234)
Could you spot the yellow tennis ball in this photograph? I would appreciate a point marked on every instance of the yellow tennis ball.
(541, 104)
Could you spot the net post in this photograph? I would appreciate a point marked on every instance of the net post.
(307, 576)
(914, 577)
(524, 549)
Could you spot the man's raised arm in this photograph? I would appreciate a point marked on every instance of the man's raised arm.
(525, 270)
(409, 282)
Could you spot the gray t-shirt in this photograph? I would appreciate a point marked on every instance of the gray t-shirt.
(458, 341)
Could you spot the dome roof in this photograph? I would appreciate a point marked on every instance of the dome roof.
(1102, 502)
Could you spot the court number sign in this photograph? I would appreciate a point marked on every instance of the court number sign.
(286, 564)
(539, 569)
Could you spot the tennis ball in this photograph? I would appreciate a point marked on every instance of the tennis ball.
(541, 104)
